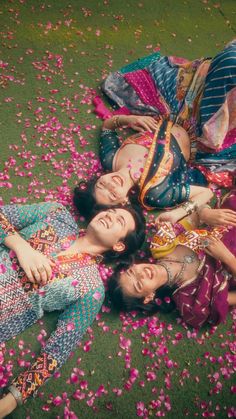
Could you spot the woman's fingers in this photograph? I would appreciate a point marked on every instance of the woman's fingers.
(226, 220)
(207, 251)
(43, 276)
(36, 275)
(145, 123)
(142, 127)
(48, 271)
(52, 262)
(29, 274)
(152, 123)
(40, 272)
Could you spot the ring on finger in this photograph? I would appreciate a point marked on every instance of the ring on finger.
(205, 243)
(41, 269)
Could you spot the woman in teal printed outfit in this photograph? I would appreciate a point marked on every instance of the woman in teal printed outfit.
(198, 95)
(45, 266)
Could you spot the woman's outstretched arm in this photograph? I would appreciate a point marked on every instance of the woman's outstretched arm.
(199, 196)
(137, 123)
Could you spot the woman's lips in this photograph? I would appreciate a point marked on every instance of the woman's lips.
(118, 180)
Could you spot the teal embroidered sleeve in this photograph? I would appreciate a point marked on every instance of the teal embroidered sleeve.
(71, 327)
(16, 217)
(109, 144)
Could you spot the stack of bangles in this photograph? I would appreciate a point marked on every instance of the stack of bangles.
(116, 121)
(189, 207)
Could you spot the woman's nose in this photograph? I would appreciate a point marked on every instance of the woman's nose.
(111, 187)
(139, 274)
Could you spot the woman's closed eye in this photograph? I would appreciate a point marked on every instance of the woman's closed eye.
(138, 286)
(148, 273)
(121, 221)
(112, 196)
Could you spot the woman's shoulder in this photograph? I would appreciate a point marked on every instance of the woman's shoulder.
(61, 213)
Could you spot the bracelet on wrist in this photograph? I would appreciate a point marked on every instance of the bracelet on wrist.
(189, 207)
(199, 209)
(16, 394)
(116, 121)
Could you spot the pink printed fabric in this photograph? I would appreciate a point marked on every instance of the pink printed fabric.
(178, 60)
(220, 131)
(143, 84)
(205, 300)
(104, 113)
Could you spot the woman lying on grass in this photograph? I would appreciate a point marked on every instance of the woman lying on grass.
(195, 272)
(46, 266)
(200, 96)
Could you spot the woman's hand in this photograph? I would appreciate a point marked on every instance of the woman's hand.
(171, 216)
(218, 217)
(140, 123)
(136, 122)
(37, 267)
(217, 249)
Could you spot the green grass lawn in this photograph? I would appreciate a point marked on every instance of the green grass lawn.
(54, 56)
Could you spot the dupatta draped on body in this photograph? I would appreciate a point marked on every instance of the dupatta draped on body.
(200, 95)
(204, 299)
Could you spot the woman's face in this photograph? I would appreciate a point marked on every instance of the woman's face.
(111, 189)
(140, 280)
(111, 227)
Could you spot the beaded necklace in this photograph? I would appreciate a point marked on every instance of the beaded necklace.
(172, 279)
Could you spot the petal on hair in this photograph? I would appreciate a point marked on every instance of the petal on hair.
(97, 296)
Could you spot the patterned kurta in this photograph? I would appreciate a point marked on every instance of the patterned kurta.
(76, 288)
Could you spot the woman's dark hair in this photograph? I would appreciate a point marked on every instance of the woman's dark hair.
(134, 240)
(162, 302)
(85, 202)
(84, 199)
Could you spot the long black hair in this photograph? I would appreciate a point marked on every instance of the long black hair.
(162, 301)
(84, 199)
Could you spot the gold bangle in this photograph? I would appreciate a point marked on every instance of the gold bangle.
(16, 394)
(189, 207)
(116, 122)
(199, 212)
(202, 207)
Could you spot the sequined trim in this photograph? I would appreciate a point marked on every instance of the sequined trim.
(164, 166)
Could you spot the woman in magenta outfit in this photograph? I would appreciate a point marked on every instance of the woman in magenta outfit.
(195, 271)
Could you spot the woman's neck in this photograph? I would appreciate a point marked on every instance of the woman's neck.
(84, 244)
(131, 162)
(162, 275)
(126, 174)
